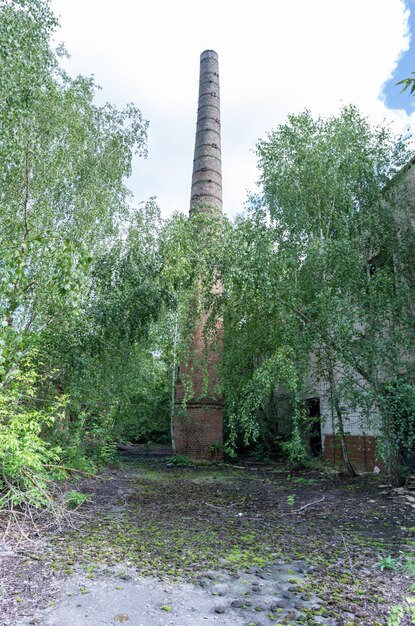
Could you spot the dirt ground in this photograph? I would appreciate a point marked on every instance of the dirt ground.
(158, 545)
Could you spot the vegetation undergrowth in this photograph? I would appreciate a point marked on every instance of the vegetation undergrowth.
(26, 459)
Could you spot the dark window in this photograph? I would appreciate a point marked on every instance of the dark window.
(313, 412)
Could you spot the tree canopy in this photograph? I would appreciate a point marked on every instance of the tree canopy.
(321, 267)
(99, 299)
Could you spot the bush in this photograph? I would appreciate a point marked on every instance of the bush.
(85, 438)
(294, 449)
(25, 457)
(180, 460)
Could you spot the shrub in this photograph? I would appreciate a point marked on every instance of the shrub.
(180, 460)
(25, 457)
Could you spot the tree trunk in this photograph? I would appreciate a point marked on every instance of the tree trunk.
(340, 426)
(391, 457)
(173, 380)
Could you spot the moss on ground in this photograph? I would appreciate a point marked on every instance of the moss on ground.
(181, 522)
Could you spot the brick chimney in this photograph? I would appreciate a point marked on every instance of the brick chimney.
(207, 163)
(197, 428)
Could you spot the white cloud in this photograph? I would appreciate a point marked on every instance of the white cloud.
(276, 57)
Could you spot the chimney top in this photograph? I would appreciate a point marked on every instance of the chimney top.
(206, 194)
(209, 54)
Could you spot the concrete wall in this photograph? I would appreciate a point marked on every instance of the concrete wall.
(360, 432)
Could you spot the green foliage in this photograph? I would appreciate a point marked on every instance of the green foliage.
(108, 298)
(408, 84)
(399, 403)
(75, 499)
(62, 191)
(62, 185)
(396, 615)
(294, 448)
(399, 611)
(25, 456)
(388, 563)
(66, 285)
(117, 369)
(84, 437)
(215, 449)
(310, 274)
(180, 460)
(192, 251)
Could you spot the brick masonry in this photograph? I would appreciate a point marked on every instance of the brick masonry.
(207, 162)
(198, 432)
(361, 449)
(198, 422)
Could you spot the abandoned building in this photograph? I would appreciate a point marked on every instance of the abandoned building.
(197, 429)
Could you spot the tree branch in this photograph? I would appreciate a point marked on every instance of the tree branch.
(26, 195)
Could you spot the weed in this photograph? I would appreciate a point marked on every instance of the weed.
(409, 566)
(180, 460)
(388, 563)
(300, 480)
(74, 499)
(215, 450)
(396, 616)
(399, 611)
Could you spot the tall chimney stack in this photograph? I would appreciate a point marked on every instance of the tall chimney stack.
(207, 164)
(197, 427)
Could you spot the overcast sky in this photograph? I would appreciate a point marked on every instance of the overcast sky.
(276, 57)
